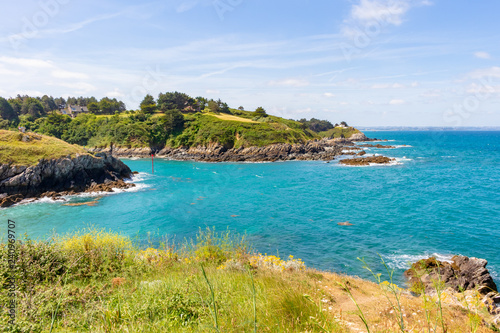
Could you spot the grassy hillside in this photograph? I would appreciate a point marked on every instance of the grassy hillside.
(239, 131)
(172, 128)
(96, 281)
(338, 132)
(29, 148)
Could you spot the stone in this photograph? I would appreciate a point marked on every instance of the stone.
(62, 176)
(364, 161)
(462, 274)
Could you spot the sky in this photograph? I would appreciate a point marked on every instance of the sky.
(366, 62)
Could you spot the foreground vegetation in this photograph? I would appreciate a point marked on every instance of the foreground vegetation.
(98, 281)
(29, 148)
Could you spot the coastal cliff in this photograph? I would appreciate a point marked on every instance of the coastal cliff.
(324, 149)
(33, 165)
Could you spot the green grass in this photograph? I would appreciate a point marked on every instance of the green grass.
(204, 129)
(97, 281)
(14, 150)
(337, 132)
(100, 281)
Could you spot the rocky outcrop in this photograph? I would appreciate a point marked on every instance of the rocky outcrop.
(460, 275)
(463, 273)
(364, 161)
(359, 137)
(313, 150)
(68, 175)
(378, 145)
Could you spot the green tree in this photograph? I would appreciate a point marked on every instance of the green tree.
(175, 100)
(172, 120)
(213, 106)
(105, 106)
(260, 112)
(7, 112)
(48, 104)
(148, 104)
(16, 105)
(32, 107)
(94, 107)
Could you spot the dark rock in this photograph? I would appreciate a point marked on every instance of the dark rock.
(361, 161)
(378, 145)
(63, 176)
(361, 153)
(463, 273)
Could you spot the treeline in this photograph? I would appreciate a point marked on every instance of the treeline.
(35, 107)
(317, 125)
(172, 116)
(182, 102)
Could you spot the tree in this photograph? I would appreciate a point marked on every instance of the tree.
(48, 104)
(148, 104)
(105, 106)
(175, 100)
(213, 106)
(7, 112)
(260, 112)
(172, 120)
(32, 107)
(93, 108)
(16, 105)
(317, 125)
(241, 108)
(343, 123)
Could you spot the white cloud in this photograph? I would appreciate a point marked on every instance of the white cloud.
(212, 91)
(115, 93)
(387, 85)
(475, 88)
(373, 14)
(289, 83)
(25, 62)
(492, 72)
(329, 95)
(78, 87)
(397, 102)
(62, 74)
(431, 93)
(482, 55)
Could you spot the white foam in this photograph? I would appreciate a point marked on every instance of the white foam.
(141, 176)
(404, 261)
(402, 146)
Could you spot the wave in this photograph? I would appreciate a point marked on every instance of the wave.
(404, 261)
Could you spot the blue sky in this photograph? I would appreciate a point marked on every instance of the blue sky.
(368, 62)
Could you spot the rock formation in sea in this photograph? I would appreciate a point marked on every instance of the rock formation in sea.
(64, 175)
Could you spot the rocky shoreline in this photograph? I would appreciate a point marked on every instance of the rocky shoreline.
(323, 150)
(461, 275)
(63, 176)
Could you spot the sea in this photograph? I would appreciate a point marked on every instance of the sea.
(439, 197)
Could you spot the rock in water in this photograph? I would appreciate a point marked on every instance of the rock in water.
(77, 174)
(363, 161)
(463, 273)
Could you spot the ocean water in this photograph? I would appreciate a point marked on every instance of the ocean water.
(440, 197)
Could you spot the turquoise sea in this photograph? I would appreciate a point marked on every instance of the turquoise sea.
(440, 198)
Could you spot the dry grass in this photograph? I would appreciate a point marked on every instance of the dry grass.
(233, 118)
(381, 316)
(14, 150)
